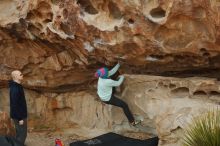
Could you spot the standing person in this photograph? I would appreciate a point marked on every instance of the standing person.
(105, 91)
(18, 106)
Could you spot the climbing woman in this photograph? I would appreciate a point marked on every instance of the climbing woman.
(106, 91)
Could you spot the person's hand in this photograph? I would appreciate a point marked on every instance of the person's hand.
(21, 122)
(121, 61)
(121, 76)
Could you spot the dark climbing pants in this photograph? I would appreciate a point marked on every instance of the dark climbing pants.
(21, 131)
(120, 103)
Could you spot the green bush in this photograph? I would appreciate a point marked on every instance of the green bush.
(204, 130)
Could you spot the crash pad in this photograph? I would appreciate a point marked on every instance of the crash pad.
(113, 139)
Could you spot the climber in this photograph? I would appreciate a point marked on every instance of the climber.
(106, 93)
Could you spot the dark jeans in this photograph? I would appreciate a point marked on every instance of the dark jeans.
(120, 103)
(21, 131)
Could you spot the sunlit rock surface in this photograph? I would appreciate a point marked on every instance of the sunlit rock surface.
(164, 104)
(61, 43)
(169, 104)
(58, 45)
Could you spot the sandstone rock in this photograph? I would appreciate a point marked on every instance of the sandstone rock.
(168, 104)
(6, 127)
(76, 37)
(165, 104)
(58, 45)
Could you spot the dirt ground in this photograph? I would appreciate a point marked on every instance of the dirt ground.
(48, 138)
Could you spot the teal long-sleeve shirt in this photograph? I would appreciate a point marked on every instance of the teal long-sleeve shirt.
(105, 85)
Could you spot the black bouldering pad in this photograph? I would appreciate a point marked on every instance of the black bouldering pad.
(9, 141)
(112, 139)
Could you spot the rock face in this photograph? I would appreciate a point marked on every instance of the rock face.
(61, 43)
(6, 126)
(170, 103)
(166, 105)
(58, 45)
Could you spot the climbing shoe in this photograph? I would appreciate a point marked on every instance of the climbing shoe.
(136, 122)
